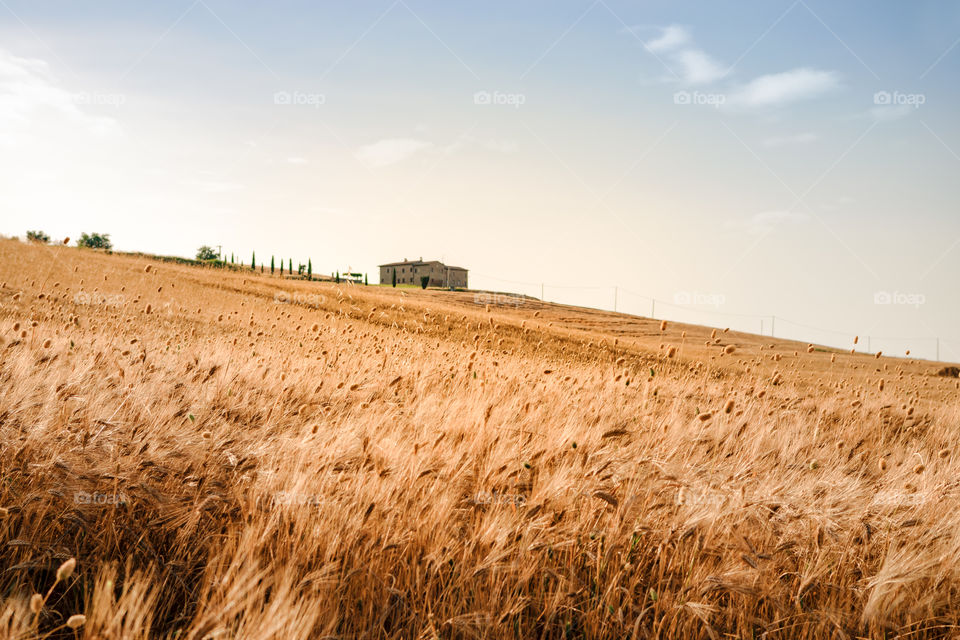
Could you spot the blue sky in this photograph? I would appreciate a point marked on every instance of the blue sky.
(795, 159)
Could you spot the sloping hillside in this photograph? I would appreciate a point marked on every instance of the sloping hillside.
(230, 454)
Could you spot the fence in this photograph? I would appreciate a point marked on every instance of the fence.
(693, 308)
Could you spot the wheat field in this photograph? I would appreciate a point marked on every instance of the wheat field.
(197, 453)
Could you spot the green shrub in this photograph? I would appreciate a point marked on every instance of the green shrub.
(206, 253)
(95, 241)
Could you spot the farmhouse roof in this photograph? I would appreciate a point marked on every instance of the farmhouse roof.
(418, 263)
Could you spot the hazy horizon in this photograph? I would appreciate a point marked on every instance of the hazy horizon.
(791, 159)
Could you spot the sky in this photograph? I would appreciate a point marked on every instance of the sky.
(785, 166)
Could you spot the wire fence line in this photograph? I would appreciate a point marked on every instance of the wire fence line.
(694, 309)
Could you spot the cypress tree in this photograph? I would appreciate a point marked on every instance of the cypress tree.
(271, 265)
(365, 283)
(309, 269)
(291, 266)
(338, 277)
(253, 260)
(394, 276)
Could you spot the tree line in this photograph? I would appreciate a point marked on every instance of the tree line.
(86, 240)
(205, 254)
(208, 255)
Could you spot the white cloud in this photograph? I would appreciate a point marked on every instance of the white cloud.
(696, 67)
(766, 221)
(23, 68)
(795, 139)
(782, 88)
(671, 37)
(390, 151)
(31, 101)
(687, 63)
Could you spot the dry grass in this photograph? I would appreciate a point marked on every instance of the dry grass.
(364, 462)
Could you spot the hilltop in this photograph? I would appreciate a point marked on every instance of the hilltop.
(226, 453)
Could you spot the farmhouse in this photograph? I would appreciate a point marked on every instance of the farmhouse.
(411, 271)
